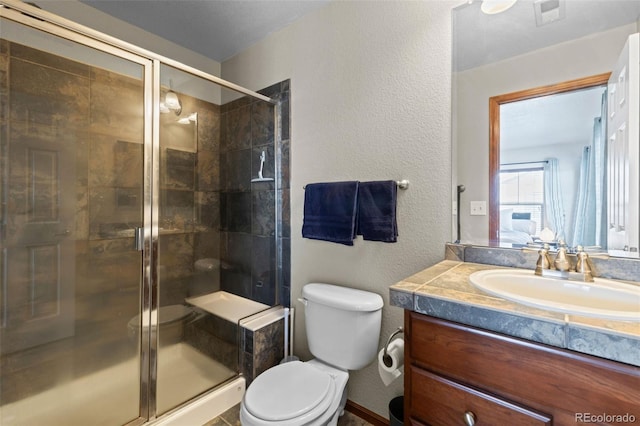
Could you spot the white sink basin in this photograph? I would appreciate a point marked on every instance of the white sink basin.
(602, 298)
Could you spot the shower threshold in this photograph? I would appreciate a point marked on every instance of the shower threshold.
(207, 406)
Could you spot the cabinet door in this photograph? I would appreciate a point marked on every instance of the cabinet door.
(624, 151)
(439, 401)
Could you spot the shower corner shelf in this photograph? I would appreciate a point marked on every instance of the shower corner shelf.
(262, 180)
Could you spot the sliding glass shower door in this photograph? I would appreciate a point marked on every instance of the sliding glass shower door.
(72, 194)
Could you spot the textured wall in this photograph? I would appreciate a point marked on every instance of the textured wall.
(370, 99)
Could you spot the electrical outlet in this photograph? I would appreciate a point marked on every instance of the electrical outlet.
(478, 208)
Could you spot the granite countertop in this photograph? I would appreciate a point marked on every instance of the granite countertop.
(444, 291)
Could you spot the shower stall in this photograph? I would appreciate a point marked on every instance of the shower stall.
(135, 236)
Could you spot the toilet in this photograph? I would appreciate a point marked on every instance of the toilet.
(343, 330)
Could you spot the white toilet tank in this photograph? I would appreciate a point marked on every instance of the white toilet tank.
(342, 324)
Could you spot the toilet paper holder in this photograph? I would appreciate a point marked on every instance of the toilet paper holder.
(386, 358)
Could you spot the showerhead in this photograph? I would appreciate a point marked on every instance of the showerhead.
(461, 188)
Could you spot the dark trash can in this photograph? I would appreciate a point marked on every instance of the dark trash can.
(396, 411)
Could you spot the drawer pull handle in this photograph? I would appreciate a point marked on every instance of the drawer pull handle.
(469, 418)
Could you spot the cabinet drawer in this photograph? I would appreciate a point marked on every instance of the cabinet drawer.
(558, 382)
(439, 401)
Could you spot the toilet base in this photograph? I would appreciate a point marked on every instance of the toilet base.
(340, 411)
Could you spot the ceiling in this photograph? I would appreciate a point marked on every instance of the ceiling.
(565, 118)
(217, 29)
(481, 39)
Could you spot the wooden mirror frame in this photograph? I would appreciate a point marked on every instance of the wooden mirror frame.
(494, 136)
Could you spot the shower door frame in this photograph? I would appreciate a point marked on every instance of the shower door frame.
(33, 17)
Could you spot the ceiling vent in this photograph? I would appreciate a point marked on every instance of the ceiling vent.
(548, 11)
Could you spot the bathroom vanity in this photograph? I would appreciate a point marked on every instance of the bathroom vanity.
(455, 371)
(472, 358)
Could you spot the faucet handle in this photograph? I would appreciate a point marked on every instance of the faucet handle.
(583, 265)
(544, 261)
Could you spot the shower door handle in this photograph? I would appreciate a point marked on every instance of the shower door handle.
(139, 238)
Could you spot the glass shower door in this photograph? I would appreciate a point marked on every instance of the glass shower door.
(196, 351)
(72, 155)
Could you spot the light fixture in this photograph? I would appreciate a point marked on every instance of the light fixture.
(172, 102)
(492, 7)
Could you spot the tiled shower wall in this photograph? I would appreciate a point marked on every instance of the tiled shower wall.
(233, 219)
(261, 348)
(248, 214)
(189, 201)
(211, 210)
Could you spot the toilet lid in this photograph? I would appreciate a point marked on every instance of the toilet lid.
(288, 390)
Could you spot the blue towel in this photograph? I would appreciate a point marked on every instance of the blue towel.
(377, 211)
(330, 212)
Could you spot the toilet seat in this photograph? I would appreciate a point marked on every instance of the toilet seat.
(290, 391)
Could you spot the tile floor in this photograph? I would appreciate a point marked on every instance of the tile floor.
(231, 418)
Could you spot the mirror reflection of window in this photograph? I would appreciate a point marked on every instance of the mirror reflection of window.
(550, 134)
(522, 201)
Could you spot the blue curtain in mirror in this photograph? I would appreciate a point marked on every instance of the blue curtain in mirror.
(554, 210)
(590, 214)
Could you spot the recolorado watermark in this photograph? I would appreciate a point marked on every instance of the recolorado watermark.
(605, 418)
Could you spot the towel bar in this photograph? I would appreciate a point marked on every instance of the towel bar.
(402, 184)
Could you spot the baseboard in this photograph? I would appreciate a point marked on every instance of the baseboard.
(368, 415)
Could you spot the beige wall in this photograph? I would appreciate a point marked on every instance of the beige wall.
(371, 95)
(583, 57)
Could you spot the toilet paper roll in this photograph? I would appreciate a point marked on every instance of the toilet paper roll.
(390, 373)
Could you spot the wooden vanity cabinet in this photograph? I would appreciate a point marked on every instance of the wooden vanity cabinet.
(457, 374)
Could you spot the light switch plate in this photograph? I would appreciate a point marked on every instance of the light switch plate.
(478, 208)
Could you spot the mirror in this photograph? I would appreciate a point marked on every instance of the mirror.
(546, 171)
(520, 55)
